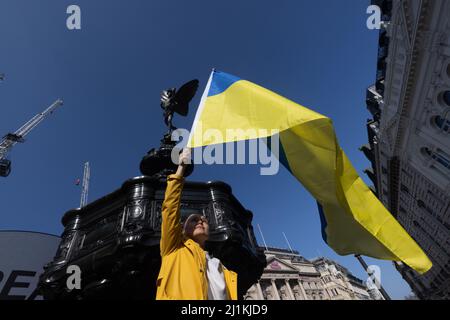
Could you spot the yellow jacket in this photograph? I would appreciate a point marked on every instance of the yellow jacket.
(183, 268)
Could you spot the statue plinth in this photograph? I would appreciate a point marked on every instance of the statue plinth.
(158, 162)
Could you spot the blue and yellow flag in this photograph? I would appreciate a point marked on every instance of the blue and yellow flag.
(353, 220)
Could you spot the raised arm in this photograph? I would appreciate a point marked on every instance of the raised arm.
(171, 230)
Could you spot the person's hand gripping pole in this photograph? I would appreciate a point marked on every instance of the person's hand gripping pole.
(184, 160)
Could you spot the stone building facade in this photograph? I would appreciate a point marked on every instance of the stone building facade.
(409, 134)
(289, 276)
(339, 282)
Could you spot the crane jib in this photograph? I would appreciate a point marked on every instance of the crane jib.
(10, 139)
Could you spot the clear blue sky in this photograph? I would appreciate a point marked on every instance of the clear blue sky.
(110, 74)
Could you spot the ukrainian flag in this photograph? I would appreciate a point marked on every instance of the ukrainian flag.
(353, 220)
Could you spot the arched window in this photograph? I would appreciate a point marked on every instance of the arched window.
(441, 123)
(425, 151)
(446, 97)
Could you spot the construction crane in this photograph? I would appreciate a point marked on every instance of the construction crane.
(10, 139)
(85, 185)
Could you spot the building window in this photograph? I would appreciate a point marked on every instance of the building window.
(404, 188)
(439, 156)
(441, 123)
(421, 204)
(446, 97)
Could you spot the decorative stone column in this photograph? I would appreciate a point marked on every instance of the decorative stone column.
(259, 291)
(275, 289)
(289, 289)
(302, 289)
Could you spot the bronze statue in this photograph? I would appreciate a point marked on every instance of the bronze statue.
(157, 162)
(177, 101)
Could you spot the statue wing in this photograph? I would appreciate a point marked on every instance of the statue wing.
(184, 95)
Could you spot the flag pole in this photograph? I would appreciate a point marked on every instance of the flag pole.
(265, 245)
(289, 245)
(364, 265)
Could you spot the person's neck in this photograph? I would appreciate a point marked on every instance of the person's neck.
(201, 244)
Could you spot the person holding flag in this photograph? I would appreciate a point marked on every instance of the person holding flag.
(188, 272)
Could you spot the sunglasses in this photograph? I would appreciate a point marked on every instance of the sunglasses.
(198, 218)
